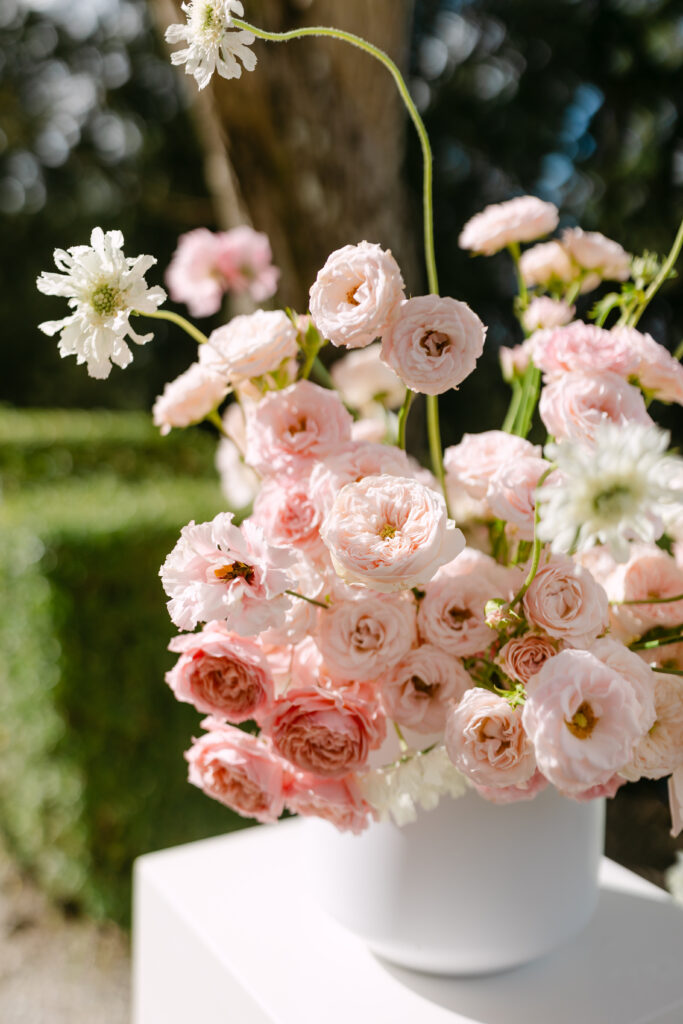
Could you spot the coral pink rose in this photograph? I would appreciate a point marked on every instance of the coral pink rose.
(486, 742)
(583, 347)
(472, 463)
(523, 656)
(390, 533)
(575, 404)
(221, 673)
(360, 640)
(240, 771)
(356, 294)
(567, 603)
(547, 264)
(325, 732)
(518, 220)
(660, 751)
(188, 398)
(452, 613)
(302, 422)
(338, 801)
(433, 343)
(363, 380)
(513, 794)
(250, 346)
(511, 493)
(418, 692)
(593, 251)
(657, 371)
(545, 313)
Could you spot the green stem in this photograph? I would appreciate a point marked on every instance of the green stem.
(531, 385)
(669, 671)
(434, 432)
(678, 351)
(661, 277)
(176, 318)
(653, 600)
(537, 545)
(311, 600)
(215, 418)
(514, 250)
(321, 373)
(403, 418)
(647, 645)
(513, 408)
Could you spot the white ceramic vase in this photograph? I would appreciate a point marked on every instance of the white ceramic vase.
(470, 887)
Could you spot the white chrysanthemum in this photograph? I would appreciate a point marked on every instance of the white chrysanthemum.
(611, 492)
(211, 46)
(103, 287)
(397, 789)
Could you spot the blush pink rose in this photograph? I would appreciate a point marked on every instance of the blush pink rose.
(547, 264)
(518, 220)
(245, 262)
(250, 346)
(585, 348)
(606, 790)
(452, 613)
(511, 493)
(328, 733)
(189, 398)
(287, 514)
(545, 313)
(356, 294)
(338, 801)
(389, 533)
(486, 742)
(472, 463)
(363, 380)
(567, 603)
(523, 657)
(514, 361)
(657, 372)
(433, 343)
(298, 620)
(288, 427)
(634, 670)
(576, 404)
(660, 750)
(351, 463)
(221, 673)
(593, 251)
(360, 640)
(418, 692)
(649, 574)
(240, 771)
(513, 794)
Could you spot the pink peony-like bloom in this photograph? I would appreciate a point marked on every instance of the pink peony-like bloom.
(511, 493)
(220, 571)
(632, 668)
(289, 427)
(356, 294)
(285, 510)
(575, 404)
(325, 732)
(360, 640)
(583, 347)
(418, 692)
(433, 343)
(351, 463)
(452, 613)
(567, 603)
(472, 463)
(546, 264)
(206, 264)
(584, 720)
(593, 251)
(239, 771)
(486, 742)
(518, 220)
(250, 346)
(363, 380)
(221, 673)
(338, 801)
(657, 371)
(523, 657)
(545, 313)
(390, 533)
(513, 794)
(188, 398)
(660, 750)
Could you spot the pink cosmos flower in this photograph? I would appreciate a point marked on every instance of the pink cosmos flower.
(390, 533)
(220, 571)
(328, 733)
(338, 801)
(289, 427)
(660, 750)
(473, 462)
(418, 692)
(451, 615)
(583, 347)
(239, 771)
(567, 603)
(511, 493)
(593, 251)
(523, 657)
(584, 720)
(546, 264)
(486, 742)
(250, 346)
(289, 517)
(356, 294)
(545, 313)
(221, 673)
(575, 404)
(518, 220)
(513, 794)
(189, 398)
(363, 380)
(433, 343)
(657, 371)
(351, 463)
(361, 639)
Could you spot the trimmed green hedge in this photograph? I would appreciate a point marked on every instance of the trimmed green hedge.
(91, 739)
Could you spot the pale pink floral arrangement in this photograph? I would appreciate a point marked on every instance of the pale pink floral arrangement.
(376, 635)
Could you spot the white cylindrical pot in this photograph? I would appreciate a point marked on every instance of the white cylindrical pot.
(470, 887)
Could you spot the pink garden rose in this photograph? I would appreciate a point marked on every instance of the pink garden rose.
(250, 346)
(246, 263)
(545, 313)
(511, 493)
(362, 639)
(338, 801)
(566, 602)
(389, 533)
(583, 347)
(523, 656)
(657, 371)
(574, 404)
(486, 742)
(363, 380)
(240, 771)
(659, 751)
(514, 361)
(221, 571)
(433, 343)
(633, 669)
(650, 573)
(591, 250)
(513, 794)
(547, 264)
(289, 427)
(452, 613)
(285, 510)
(351, 463)
(518, 220)
(356, 294)
(328, 733)
(221, 673)
(189, 398)
(418, 692)
(472, 463)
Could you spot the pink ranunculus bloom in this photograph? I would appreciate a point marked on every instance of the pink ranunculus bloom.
(363, 380)
(221, 571)
(250, 346)
(325, 732)
(657, 371)
(285, 510)
(433, 343)
(584, 720)
(660, 751)
(593, 251)
(577, 403)
(583, 347)
(511, 493)
(513, 794)
(362, 639)
(389, 533)
(566, 602)
(523, 657)
(649, 574)
(545, 313)
(245, 262)
(240, 771)
(291, 427)
(221, 673)
(518, 220)
(472, 463)
(356, 294)
(189, 398)
(486, 742)
(452, 613)
(546, 264)
(338, 801)
(351, 463)
(418, 691)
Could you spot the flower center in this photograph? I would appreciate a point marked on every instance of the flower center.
(105, 300)
(614, 501)
(458, 615)
(434, 342)
(583, 721)
(429, 689)
(387, 532)
(351, 296)
(233, 571)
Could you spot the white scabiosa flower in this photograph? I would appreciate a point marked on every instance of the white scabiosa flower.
(211, 46)
(613, 491)
(398, 789)
(103, 287)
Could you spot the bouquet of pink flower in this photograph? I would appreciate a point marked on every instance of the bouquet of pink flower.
(383, 656)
